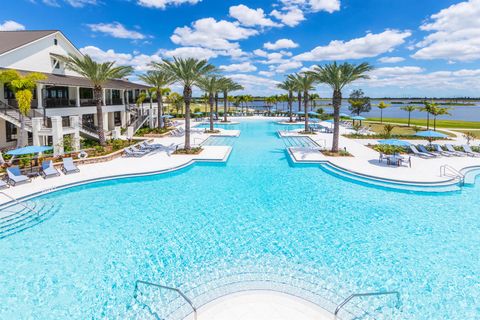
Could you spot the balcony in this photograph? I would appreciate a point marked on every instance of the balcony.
(59, 103)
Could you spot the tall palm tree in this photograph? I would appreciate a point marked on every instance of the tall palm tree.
(211, 85)
(227, 85)
(289, 86)
(98, 74)
(337, 76)
(428, 107)
(158, 80)
(409, 109)
(294, 79)
(304, 82)
(438, 111)
(22, 87)
(186, 72)
(382, 105)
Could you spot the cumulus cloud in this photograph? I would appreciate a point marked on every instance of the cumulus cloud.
(73, 3)
(254, 84)
(368, 46)
(191, 52)
(284, 67)
(10, 25)
(239, 67)
(329, 6)
(162, 4)
(281, 44)
(116, 30)
(291, 16)
(251, 17)
(391, 59)
(455, 34)
(209, 33)
(137, 60)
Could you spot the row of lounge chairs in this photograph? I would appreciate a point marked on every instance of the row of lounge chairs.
(47, 170)
(145, 148)
(438, 151)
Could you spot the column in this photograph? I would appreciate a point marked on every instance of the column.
(123, 117)
(75, 124)
(40, 95)
(57, 135)
(122, 95)
(104, 101)
(105, 121)
(111, 120)
(78, 96)
(36, 127)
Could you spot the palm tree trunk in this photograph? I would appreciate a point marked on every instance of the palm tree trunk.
(299, 101)
(187, 94)
(290, 105)
(428, 120)
(434, 123)
(336, 102)
(305, 103)
(216, 105)
(225, 106)
(210, 101)
(160, 107)
(381, 115)
(409, 117)
(97, 92)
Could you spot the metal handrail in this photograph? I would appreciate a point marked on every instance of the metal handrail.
(458, 174)
(365, 294)
(167, 288)
(20, 203)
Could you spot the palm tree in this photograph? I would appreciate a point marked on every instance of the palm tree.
(428, 107)
(22, 87)
(98, 74)
(289, 86)
(186, 72)
(176, 100)
(211, 85)
(438, 111)
(314, 97)
(227, 85)
(304, 83)
(409, 109)
(337, 77)
(382, 105)
(270, 101)
(158, 80)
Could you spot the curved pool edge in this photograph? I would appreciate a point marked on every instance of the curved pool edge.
(115, 177)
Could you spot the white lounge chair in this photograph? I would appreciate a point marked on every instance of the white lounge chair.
(48, 170)
(129, 152)
(469, 151)
(3, 184)
(423, 149)
(15, 176)
(420, 154)
(439, 150)
(450, 148)
(68, 166)
(143, 151)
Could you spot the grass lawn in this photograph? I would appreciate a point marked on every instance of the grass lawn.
(440, 123)
(398, 130)
(476, 133)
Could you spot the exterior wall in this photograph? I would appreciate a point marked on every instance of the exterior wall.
(3, 137)
(63, 112)
(35, 56)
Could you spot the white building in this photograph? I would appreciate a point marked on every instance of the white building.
(64, 93)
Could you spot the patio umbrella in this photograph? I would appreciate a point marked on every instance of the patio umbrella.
(300, 113)
(28, 150)
(313, 113)
(344, 115)
(329, 121)
(395, 142)
(430, 135)
(359, 118)
(167, 116)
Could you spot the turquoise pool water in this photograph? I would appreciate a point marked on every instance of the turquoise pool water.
(214, 228)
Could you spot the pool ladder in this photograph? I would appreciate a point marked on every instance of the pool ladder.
(159, 286)
(457, 174)
(367, 294)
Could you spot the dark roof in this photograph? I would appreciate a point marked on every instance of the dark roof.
(10, 40)
(63, 80)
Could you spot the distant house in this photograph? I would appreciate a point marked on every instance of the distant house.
(64, 93)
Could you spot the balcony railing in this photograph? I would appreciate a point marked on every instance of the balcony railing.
(114, 102)
(59, 103)
(14, 103)
(87, 102)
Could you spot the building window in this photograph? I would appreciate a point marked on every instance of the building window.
(55, 63)
(7, 93)
(11, 131)
(86, 93)
(55, 41)
(117, 118)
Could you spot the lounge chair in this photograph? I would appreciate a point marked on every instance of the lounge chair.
(48, 170)
(135, 149)
(68, 166)
(147, 147)
(129, 152)
(420, 154)
(423, 149)
(450, 148)
(15, 176)
(469, 151)
(3, 184)
(439, 150)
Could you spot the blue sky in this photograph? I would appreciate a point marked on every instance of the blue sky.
(419, 48)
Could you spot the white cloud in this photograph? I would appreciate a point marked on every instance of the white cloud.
(209, 33)
(455, 34)
(162, 4)
(251, 17)
(137, 60)
(10, 25)
(73, 3)
(239, 67)
(366, 47)
(329, 6)
(254, 84)
(260, 53)
(396, 71)
(267, 73)
(280, 44)
(391, 59)
(291, 16)
(191, 52)
(116, 30)
(283, 67)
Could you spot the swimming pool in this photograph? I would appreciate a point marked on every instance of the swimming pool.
(254, 222)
